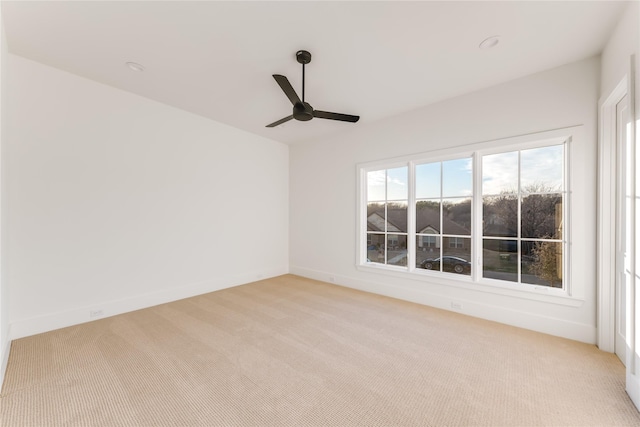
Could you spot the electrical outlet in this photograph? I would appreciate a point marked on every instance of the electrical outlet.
(96, 313)
(456, 305)
(332, 279)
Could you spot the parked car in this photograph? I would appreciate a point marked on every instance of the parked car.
(449, 263)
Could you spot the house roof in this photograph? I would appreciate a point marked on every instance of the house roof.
(425, 219)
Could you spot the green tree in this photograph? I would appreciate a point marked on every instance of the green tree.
(545, 265)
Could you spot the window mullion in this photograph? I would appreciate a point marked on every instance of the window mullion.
(386, 215)
(441, 214)
(477, 214)
(519, 219)
(566, 224)
(411, 218)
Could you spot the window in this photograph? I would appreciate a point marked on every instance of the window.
(522, 209)
(495, 216)
(428, 242)
(456, 243)
(387, 202)
(443, 211)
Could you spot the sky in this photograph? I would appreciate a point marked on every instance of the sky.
(453, 178)
(539, 166)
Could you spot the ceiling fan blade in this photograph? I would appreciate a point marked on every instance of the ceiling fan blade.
(287, 89)
(335, 116)
(279, 122)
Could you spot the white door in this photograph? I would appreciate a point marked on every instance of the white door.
(624, 229)
(618, 234)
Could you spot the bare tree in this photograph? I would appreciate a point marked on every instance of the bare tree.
(540, 213)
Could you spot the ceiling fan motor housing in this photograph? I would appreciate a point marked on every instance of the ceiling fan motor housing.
(302, 111)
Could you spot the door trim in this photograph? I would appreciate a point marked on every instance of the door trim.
(606, 223)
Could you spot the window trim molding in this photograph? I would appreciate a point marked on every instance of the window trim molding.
(571, 295)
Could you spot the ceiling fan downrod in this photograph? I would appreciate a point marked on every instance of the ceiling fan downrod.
(303, 57)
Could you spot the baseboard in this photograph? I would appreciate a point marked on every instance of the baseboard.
(6, 348)
(36, 325)
(526, 320)
(633, 389)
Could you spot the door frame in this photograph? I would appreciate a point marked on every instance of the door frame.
(607, 194)
(625, 231)
(607, 200)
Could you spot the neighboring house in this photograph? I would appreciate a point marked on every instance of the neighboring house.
(427, 226)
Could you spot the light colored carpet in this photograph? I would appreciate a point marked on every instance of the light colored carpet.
(290, 351)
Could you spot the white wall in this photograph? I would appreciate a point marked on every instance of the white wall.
(4, 288)
(116, 202)
(617, 56)
(624, 42)
(323, 191)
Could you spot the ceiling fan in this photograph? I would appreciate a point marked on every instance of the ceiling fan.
(302, 110)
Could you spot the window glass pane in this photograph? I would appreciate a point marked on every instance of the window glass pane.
(375, 248)
(428, 217)
(375, 185)
(526, 249)
(456, 216)
(456, 178)
(500, 173)
(427, 247)
(542, 263)
(542, 169)
(428, 181)
(500, 216)
(542, 216)
(431, 262)
(397, 217)
(397, 188)
(456, 255)
(500, 259)
(428, 241)
(376, 215)
(397, 249)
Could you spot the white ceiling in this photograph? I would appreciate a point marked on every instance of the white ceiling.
(375, 59)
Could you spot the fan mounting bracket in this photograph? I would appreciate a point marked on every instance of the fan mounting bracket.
(303, 57)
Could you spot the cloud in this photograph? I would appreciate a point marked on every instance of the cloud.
(393, 181)
(397, 188)
(500, 173)
(540, 167)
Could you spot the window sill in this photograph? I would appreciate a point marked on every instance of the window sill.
(515, 290)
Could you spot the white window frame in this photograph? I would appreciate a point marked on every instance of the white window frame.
(571, 294)
(386, 233)
(478, 205)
